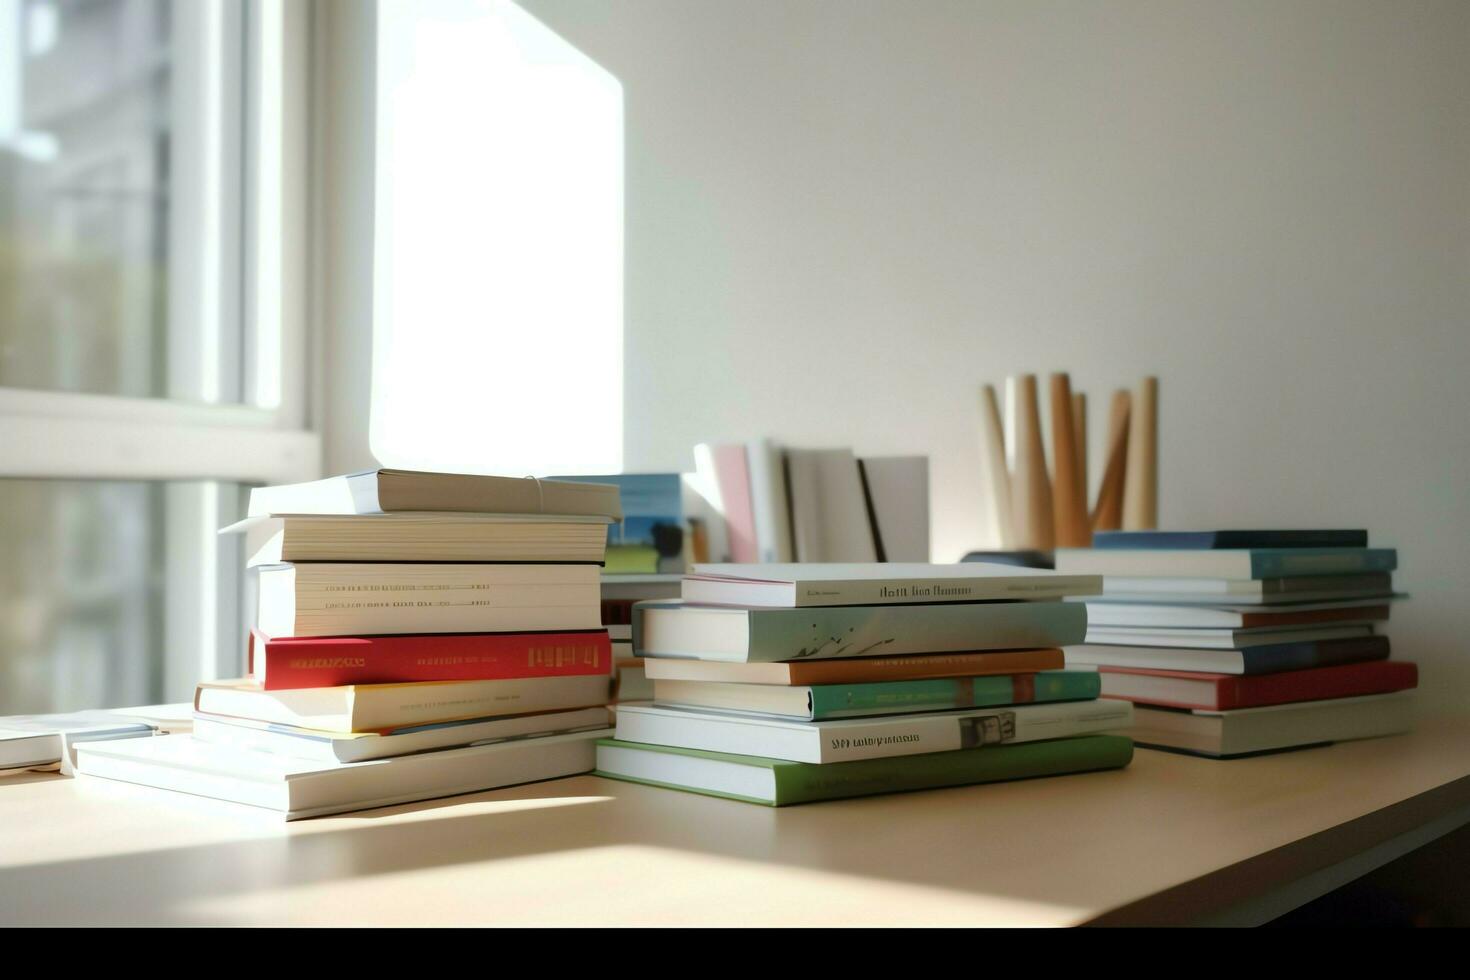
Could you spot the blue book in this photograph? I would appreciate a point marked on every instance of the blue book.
(1204, 540)
(1226, 563)
(653, 510)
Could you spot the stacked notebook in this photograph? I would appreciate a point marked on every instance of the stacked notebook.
(1232, 643)
(419, 635)
(782, 684)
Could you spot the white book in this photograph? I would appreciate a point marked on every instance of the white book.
(847, 739)
(1220, 639)
(770, 500)
(318, 746)
(892, 583)
(386, 490)
(354, 599)
(1249, 730)
(898, 489)
(1302, 588)
(829, 513)
(298, 788)
(1140, 615)
(31, 741)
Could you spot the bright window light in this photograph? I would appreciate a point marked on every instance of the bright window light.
(498, 294)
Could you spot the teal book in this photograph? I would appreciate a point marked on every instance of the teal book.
(1226, 563)
(822, 701)
(774, 782)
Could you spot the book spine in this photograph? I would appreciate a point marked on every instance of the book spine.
(834, 632)
(401, 659)
(1344, 681)
(1277, 658)
(851, 700)
(1329, 561)
(919, 734)
(880, 670)
(805, 783)
(861, 593)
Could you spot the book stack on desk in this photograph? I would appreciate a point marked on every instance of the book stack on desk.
(1233, 643)
(418, 635)
(782, 684)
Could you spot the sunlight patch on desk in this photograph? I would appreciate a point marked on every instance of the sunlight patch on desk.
(674, 888)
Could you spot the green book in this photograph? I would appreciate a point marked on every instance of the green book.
(630, 559)
(775, 782)
(822, 701)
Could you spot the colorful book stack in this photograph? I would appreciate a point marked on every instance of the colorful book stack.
(782, 684)
(1232, 643)
(419, 635)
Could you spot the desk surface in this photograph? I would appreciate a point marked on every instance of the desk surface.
(1169, 839)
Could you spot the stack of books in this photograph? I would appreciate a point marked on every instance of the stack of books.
(782, 684)
(768, 503)
(1232, 643)
(418, 635)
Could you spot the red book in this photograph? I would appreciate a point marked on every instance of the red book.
(1223, 692)
(282, 663)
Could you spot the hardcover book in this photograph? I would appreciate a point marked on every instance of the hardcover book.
(279, 663)
(386, 491)
(777, 782)
(1266, 659)
(820, 702)
(1242, 563)
(32, 741)
(1293, 589)
(298, 788)
(1140, 615)
(308, 743)
(829, 510)
(1224, 692)
(1225, 638)
(892, 583)
(857, 670)
(847, 739)
(1224, 734)
(1200, 540)
(423, 538)
(736, 635)
(353, 599)
(378, 707)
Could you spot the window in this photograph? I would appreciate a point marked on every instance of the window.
(152, 349)
(498, 330)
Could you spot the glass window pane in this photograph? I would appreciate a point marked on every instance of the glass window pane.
(116, 593)
(100, 114)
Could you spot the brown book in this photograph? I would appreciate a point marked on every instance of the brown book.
(861, 670)
(390, 491)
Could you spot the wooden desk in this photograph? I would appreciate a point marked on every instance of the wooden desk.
(1170, 839)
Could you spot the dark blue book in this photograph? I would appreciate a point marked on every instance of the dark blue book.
(1206, 540)
(1274, 658)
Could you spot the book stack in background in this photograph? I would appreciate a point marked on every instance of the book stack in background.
(766, 503)
(418, 635)
(1236, 642)
(782, 684)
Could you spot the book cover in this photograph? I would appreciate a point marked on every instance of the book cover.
(279, 663)
(776, 782)
(388, 490)
(733, 476)
(898, 495)
(858, 670)
(738, 635)
(1266, 659)
(821, 702)
(846, 739)
(829, 511)
(1223, 692)
(839, 584)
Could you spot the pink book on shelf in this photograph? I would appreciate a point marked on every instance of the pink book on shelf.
(732, 473)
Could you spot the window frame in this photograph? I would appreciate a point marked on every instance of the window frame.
(240, 266)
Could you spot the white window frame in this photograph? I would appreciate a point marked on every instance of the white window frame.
(238, 264)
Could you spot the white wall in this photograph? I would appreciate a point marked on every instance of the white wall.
(844, 215)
